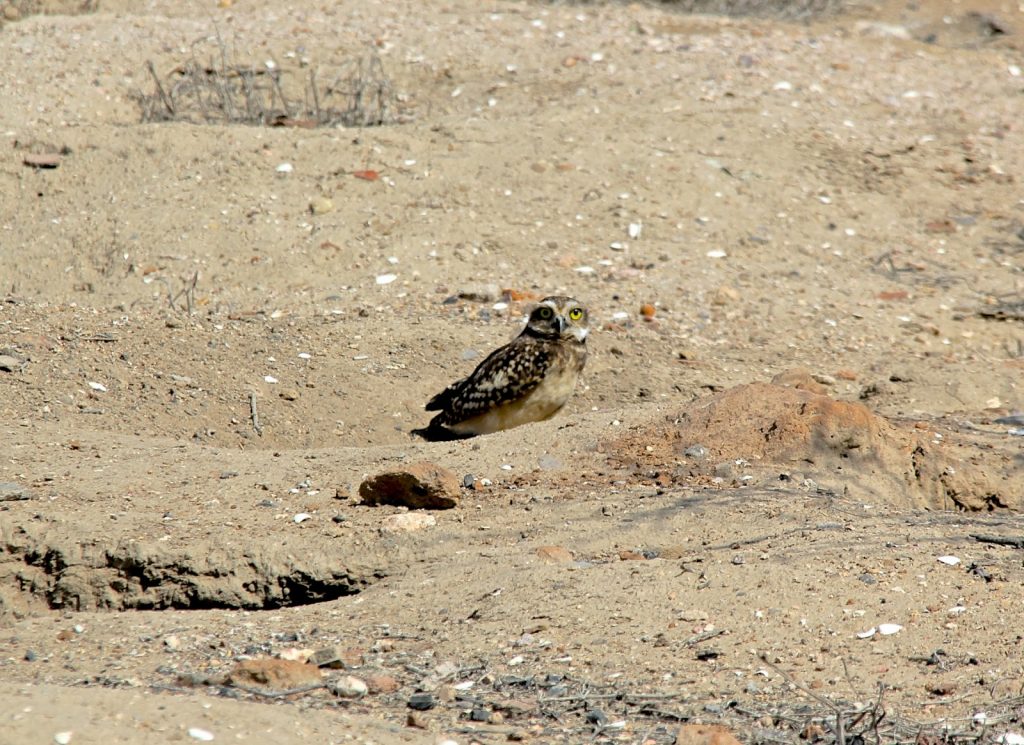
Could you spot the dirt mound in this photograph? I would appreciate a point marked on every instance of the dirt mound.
(844, 447)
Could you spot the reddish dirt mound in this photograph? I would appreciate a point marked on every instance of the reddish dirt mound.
(842, 446)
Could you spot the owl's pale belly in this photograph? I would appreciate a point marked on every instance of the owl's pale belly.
(543, 402)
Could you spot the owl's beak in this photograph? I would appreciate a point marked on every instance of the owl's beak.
(560, 321)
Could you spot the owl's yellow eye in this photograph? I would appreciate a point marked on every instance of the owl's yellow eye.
(576, 314)
(544, 313)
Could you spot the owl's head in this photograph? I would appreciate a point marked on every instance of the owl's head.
(558, 317)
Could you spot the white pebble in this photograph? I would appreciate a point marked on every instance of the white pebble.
(886, 629)
(500, 306)
(980, 718)
(867, 634)
(951, 560)
(285, 168)
(63, 738)
(506, 467)
(202, 735)
(457, 92)
(620, 315)
(269, 379)
(517, 660)
(386, 279)
(585, 269)
(97, 386)
(783, 85)
(301, 517)
(305, 356)
(1014, 70)
(617, 246)
(635, 228)
(717, 253)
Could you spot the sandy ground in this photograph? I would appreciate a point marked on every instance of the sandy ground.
(683, 543)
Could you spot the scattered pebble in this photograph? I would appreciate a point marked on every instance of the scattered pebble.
(554, 554)
(887, 629)
(284, 168)
(422, 701)
(63, 738)
(716, 253)
(320, 205)
(407, 522)
(635, 229)
(97, 386)
(269, 379)
(950, 560)
(386, 279)
(9, 363)
(348, 686)
(202, 735)
(301, 517)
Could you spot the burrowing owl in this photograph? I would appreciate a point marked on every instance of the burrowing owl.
(527, 380)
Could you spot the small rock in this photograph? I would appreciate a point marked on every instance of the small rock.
(320, 205)
(12, 492)
(407, 522)
(648, 311)
(417, 720)
(554, 554)
(422, 701)
(289, 394)
(419, 486)
(30, 656)
(725, 295)
(12, 12)
(697, 452)
(273, 673)
(63, 738)
(382, 683)
(203, 735)
(348, 686)
(631, 556)
(172, 643)
(846, 374)
(9, 363)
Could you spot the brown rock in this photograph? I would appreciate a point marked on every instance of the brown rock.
(846, 374)
(270, 672)
(382, 683)
(554, 554)
(725, 295)
(420, 486)
(418, 720)
(705, 734)
(631, 556)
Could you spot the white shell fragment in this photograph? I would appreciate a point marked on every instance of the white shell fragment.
(867, 634)
(301, 517)
(717, 253)
(97, 386)
(285, 168)
(197, 733)
(635, 228)
(63, 738)
(269, 379)
(386, 279)
(951, 560)
(887, 629)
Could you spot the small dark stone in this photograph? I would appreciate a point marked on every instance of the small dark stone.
(596, 716)
(868, 579)
(339, 519)
(479, 715)
(268, 503)
(468, 480)
(30, 656)
(422, 701)
(228, 474)
(708, 654)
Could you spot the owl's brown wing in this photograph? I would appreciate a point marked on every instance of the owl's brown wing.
(508, 373)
